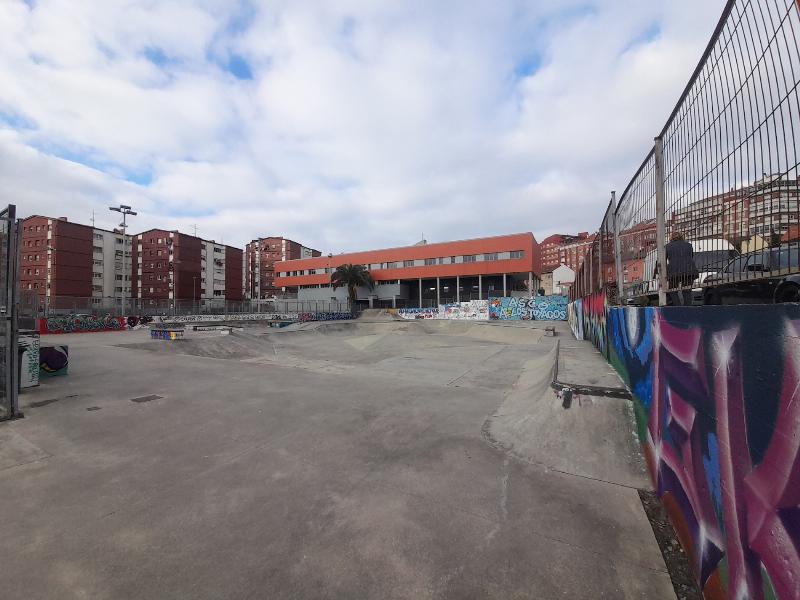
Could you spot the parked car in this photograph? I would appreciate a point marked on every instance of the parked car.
(710, 257)
(765, 276)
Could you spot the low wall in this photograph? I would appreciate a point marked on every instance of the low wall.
(81, 324)
(716, 393)
(543, 308)
(252, 317)
(474, 310)
(540, 308)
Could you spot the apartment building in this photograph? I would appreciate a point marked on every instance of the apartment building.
(563, 249)
(63, 261)
(426, 274)
(169, 265)
(258, 270)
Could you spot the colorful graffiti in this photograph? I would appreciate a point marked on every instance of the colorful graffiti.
(474, 310)
(227, 318)
(166, 334)
(717, 400)
(540, 308)
(29, 344)
(328, 316)
(587, 318)
(575, 318)
(81, 324)
(53, 361)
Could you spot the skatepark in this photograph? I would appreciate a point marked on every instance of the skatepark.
(367, 459)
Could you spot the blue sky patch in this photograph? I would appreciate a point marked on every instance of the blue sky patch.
(239, 68)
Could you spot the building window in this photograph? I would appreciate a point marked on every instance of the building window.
(408, 263)
(452, 260)
(517, 254)
(470, 258)
(430, 262)
(490, 256)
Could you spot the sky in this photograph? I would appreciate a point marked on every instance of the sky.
(344, 125)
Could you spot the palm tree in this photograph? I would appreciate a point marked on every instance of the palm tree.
(353, 277)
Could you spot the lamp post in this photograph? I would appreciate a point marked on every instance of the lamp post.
(125, 211)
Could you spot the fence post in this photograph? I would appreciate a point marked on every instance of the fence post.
(617, 249)
(661, 238)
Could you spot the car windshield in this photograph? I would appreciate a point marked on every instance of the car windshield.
(713, 260)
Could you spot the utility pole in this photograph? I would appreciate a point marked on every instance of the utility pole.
(125, 211)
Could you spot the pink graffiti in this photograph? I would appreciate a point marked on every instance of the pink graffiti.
(760, 503)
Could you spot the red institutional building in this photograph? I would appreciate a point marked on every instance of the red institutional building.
(426, 274)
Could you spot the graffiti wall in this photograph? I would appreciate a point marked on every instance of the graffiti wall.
(81, 324)
(328, 316)
(227, 318)
(29, 360)
(53, 361)
(166, 334)
(587, 318)
(540, 308)
(717, 400)
(575, 318)
(474, 310)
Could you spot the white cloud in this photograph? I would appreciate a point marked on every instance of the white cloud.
(364, 124)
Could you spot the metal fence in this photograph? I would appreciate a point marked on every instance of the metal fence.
(9, 358)
(723, 173)
(62, 305)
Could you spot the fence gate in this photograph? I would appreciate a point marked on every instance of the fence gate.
(9, 359)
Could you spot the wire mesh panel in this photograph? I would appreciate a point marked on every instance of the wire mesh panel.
(730, 151)
(636, 227)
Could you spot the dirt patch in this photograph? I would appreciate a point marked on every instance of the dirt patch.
(675, 558)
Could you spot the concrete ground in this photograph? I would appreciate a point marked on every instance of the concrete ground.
(341, 460)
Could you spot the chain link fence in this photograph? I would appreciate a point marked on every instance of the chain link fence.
(723, 175)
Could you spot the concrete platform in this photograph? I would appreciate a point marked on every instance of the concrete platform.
(333, 460)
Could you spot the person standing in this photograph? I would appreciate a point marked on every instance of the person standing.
(681, 271)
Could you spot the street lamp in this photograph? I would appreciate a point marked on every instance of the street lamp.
(125, 210)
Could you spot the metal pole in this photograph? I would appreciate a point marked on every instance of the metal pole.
(661, 238)
(617, 248)
(420, 292)
(505, 287)
(458, 288)
(480, 287)
(438, 298)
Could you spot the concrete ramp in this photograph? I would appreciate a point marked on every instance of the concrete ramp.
(588, 436)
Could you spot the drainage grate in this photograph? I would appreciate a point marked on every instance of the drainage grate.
(146, 398)
(90, 408)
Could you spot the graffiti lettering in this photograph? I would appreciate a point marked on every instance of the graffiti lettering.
(474, 310)
(541, 308)
(81, 324)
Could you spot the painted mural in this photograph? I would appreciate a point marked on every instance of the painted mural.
(307, 317)
(474, 310)
(717, 400)
(575, 318)
(53, 361)
(166, 334)
(81, 324)
(540, 308)
(29, 344)
(587, 318)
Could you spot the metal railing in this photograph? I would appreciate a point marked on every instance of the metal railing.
(723, 174)
(99, 306)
